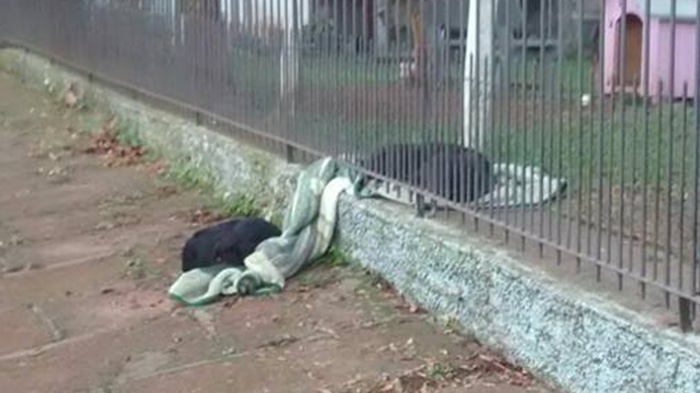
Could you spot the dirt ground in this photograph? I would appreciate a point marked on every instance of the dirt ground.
(90, 243)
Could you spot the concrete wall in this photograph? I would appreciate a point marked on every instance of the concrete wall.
(577, 340)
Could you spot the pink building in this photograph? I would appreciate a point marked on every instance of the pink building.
(660, 48)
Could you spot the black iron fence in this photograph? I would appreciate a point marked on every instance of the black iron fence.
(569, 125)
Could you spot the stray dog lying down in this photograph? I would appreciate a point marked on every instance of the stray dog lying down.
(228, 243)
(455, 173)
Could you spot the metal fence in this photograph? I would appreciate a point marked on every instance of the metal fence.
(569, 125)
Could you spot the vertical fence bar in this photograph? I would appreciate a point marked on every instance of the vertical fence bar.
(595, 96)
(333, 69)
(623, 80)
(285, 75)
(447, 191)
(423, 82)
(683, 191)
(493, 134)
(543, 123)
(550, 124)
(695, 243)
(531, 120)
(508, 113)
(559, 108)
(351, 53)
(422, 101)
(467, 105)
(266, 12)
(616, 98)
(498, 103)
(657, 182)
(575, 136)
(601, 139)
(669, 163)
(433, 51)
(477, 118)
(394, 115)
(461, 138)
(645, 126)
(633, 200)
(523, 111)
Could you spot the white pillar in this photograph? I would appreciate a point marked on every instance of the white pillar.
(289, 57)
(479, 53)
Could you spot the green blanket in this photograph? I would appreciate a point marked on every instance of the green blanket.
(307, 233)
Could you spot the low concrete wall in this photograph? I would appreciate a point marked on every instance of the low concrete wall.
(576, 340)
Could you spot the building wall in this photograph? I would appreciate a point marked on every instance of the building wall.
(685, 58)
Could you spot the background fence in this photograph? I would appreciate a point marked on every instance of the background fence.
(595, 95)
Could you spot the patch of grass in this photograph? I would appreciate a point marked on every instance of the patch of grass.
(277, 218)
(373, 280)
(92, 120)
(333, 258)
(187, 175)
(323, 72)
(546, 128)
(239, 205)
(359, 134)
(127, 133)
(138, 265)
(316, 278)
(440, 371)
(322, 272)
(136, 269)
(451, 324)
(658, 145)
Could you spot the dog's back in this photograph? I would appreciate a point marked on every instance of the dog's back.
(458, 174)
(229, 242)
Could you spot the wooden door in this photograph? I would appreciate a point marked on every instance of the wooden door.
(634, 41)
(634, 44)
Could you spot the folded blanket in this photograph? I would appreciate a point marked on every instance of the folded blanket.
(520, 186)
(307, 233)
(202, 285)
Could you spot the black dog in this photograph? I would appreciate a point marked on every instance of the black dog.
(229, 242)
(455, 173)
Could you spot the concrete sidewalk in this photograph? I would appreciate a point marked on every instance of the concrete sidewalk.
(87, 253)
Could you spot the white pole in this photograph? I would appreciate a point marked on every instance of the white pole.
(289, 58)
(478, 56)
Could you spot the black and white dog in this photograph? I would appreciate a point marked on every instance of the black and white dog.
(455, 173)
(228, 243)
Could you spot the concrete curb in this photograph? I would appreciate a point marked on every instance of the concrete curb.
(580, 342)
